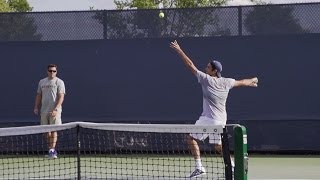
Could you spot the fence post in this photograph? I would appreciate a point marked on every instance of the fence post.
(241, 153)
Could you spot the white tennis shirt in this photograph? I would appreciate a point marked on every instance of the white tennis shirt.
(215, 93)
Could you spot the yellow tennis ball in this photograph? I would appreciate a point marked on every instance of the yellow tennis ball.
(161, 15)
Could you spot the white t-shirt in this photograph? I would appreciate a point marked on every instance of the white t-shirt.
(49, 90)
(215, 93)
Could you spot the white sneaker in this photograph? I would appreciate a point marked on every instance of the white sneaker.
(197, 173)
(53, 154)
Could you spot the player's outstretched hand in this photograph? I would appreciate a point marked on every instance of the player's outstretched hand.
(254, 82)
(174, 45)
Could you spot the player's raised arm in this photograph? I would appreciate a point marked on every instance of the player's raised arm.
(253, 82)
(186, 60)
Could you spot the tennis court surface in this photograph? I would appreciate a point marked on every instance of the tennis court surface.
(284, 167)
(112, 167)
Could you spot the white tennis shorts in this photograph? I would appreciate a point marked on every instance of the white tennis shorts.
(213, 138)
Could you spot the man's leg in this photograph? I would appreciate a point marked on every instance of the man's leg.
(49, 139)
(52, 140)
(195, 151)
(52, 137)
(193, 146)
(218, 149)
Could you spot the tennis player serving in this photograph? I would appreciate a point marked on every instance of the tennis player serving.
(215, 91)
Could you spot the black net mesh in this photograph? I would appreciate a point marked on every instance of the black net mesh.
(95, 153)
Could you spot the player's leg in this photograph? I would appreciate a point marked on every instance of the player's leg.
(195, 150)
(218, 149)
(193, 146)
(54, 136)
(216, 140)
(45, 120)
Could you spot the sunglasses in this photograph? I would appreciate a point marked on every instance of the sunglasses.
(52, 71)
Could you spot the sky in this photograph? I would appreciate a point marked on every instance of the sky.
(79, 5)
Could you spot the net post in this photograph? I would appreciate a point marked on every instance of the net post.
(241, 153)
(226, 155)
(78, 153)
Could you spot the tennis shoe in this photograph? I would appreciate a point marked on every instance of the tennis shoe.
(197, 173)
(53, 154)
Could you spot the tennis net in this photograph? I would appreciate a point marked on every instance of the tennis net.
(109, 151)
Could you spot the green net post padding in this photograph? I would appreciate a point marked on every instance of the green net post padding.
(241, 153)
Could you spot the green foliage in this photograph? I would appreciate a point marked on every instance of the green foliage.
(145, 21)
(14, 6)
(153, 4)
(145, 4)
(4, 6)
(20, 5)
(272, 20)
(17, 26)
(198, 3)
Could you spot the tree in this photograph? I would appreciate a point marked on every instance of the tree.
(153, 4)
(5, 7)
(145, 22)
(20, 5)
(272, 20)
(15, 6)
(16, 25)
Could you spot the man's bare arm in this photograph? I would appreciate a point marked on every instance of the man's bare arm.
(253, 82)
(186, 60)
(59, 101)
(37, 104)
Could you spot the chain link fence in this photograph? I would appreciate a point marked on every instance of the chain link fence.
(129, 24)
